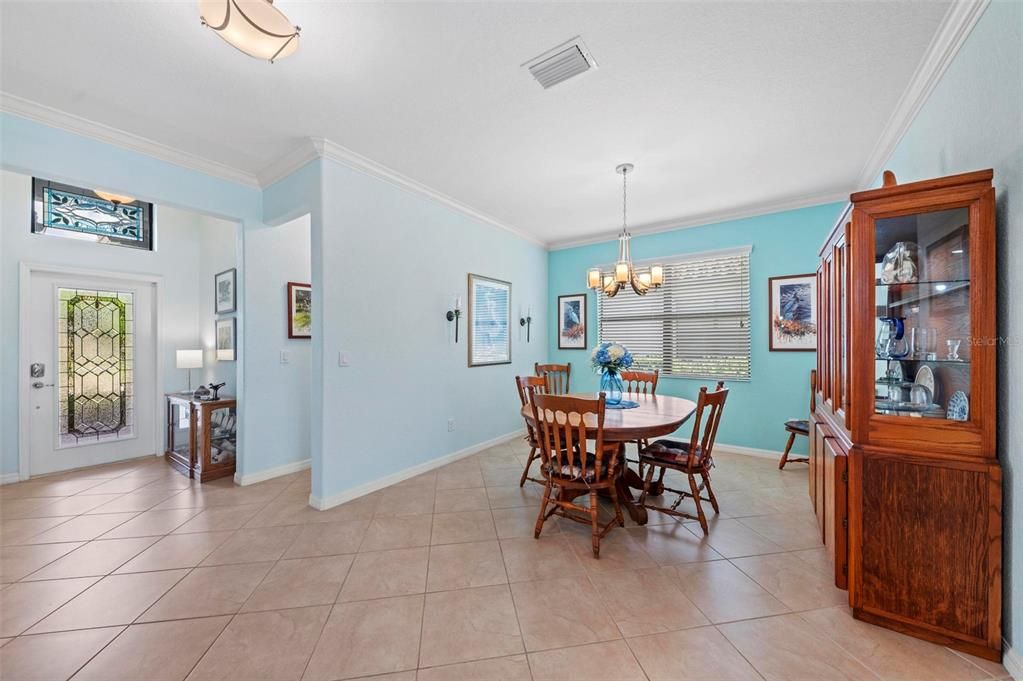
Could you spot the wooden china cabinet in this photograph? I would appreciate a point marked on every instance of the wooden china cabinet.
(905, 478)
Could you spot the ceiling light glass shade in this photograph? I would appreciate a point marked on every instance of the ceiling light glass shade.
(112, 197)
(657, 275)
(593, 278)
(255, 27)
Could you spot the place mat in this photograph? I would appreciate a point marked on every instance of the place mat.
(624, 404)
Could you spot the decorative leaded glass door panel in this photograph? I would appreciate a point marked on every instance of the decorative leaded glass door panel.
(95, 331)
(95, 400)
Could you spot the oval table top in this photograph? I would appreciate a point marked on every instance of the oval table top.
(655, 416)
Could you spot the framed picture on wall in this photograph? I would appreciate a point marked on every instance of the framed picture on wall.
(572, 322)
(300, 310)
(792, 303)
(489, 321)
(226, 337)
(225, 295)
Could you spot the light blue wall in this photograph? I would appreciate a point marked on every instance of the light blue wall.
(779, 388)
(974, 120)
(387, 264)
(35, 149)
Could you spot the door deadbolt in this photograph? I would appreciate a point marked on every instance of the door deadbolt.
(37, 370)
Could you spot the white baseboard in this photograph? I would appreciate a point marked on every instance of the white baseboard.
(747, 451)
(8, 478)
(269, 473)
(393, 478)
(1012, 661)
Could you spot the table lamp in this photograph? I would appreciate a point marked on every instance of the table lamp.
(189, 359)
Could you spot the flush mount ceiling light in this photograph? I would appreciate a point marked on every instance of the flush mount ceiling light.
(624, 272)
(255, 27)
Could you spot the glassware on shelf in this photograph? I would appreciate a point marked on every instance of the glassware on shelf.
(891, 338)
(900, 264)
(920, 396)
(953, 348)
(924, 342)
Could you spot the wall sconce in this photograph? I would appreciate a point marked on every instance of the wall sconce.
(455, 314)
(527, 321)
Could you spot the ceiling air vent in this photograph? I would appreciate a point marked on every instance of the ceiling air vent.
(561, 63)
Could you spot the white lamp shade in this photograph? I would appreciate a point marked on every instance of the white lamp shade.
(255, 27)
(593, 278)
(189, 359)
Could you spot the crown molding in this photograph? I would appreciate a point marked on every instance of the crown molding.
(710, 218)
(55, 118)
(955, 28)
(339, 154)
(285, 165)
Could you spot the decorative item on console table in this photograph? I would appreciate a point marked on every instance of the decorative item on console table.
(924, 488)
(202, 435)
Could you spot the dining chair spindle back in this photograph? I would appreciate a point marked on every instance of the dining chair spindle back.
(693, 458)
(525, 384)
(556, 375)
(569, 468)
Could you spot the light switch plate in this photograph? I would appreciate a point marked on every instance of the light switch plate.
(285, 357)
(344, 359)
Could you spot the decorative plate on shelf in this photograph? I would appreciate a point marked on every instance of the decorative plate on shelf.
(925, 377)
(958, 407)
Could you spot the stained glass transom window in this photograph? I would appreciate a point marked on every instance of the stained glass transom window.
(96, 344)
(63, 210)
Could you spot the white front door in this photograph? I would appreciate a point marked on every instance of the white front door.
(92, 371)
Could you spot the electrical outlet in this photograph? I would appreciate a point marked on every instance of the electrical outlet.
(451, 425)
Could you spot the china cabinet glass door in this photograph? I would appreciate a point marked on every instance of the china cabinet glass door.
(923, 321)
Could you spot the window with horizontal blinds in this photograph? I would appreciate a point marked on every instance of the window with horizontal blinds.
(696, 325)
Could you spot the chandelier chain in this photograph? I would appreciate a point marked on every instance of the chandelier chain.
(625, 202)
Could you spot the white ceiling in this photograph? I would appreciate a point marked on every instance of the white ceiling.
(722, 106)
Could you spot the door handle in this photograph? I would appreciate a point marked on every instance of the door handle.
(40, 384)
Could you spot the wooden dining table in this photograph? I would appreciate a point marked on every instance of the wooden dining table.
(656, 416)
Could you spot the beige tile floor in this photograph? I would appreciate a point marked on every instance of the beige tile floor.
(133, 572)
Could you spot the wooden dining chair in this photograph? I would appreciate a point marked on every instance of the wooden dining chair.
(524, 384)
(556, 375)
(640, 383)
(569, 468)
(801, 427)
(693, 458)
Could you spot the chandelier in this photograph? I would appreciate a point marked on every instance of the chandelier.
(624, 271)
(255, 27)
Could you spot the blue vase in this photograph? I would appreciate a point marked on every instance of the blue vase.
(612, 387)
